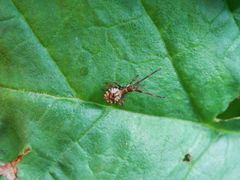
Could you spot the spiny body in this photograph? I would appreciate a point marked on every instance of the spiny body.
(115, 93)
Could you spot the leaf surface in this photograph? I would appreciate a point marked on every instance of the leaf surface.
(57, 56)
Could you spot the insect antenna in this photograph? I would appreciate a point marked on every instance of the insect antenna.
(147, 93)
(146, 77)
(134, 79)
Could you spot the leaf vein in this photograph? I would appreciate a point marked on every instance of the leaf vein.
(191, 100)
(92, 126)
(210, 144)
(45, 48)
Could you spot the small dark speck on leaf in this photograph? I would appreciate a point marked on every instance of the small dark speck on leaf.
(187, 158)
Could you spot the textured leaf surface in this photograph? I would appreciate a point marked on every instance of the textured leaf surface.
(57, 56)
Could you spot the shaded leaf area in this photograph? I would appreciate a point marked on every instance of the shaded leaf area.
(78, 140)
(232, 124)
(232, 111)
(49, 47)
(234, 6)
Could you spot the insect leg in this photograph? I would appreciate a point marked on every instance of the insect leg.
(139, 86)
(147, 93)
(147, 76)
(134, 79)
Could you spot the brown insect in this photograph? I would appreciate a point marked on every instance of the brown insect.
(115, 93)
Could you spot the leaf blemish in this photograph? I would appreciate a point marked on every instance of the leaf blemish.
(9, 170)
(187, 157)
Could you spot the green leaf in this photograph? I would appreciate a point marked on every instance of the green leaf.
(57, 56)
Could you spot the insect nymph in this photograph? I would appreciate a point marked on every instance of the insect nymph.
(115, 93)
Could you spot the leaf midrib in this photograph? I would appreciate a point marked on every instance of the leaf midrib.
(112, 108)
(24, 91)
